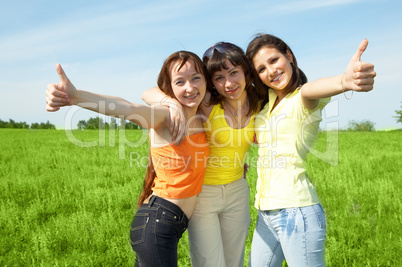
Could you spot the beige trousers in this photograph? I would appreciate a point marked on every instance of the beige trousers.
(218, 228)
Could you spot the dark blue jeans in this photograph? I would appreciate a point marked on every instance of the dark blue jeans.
(155, 231)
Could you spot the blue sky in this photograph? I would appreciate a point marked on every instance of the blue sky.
(117, 47)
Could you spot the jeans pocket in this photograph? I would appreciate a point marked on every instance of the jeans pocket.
(319, 212)
(166, 230)
(169, 225)
(138, 227)
(168, 216)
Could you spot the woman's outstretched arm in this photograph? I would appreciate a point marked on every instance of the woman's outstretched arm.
(64, 93)
(358, 76)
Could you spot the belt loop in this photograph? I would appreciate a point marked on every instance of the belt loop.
(151, 201)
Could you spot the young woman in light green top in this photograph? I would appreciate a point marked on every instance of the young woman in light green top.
(291, 223)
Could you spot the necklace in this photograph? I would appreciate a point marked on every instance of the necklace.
(236, 114)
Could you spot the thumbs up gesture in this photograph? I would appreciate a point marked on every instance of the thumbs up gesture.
(59, 94)
(359, 76)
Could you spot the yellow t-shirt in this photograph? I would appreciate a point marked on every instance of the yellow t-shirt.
(228, 148)
(284, 137)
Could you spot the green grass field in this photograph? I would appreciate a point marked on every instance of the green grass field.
(63, 204)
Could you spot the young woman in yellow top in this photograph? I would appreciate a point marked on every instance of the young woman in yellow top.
(175, 173)
(291, 223)
(219, 225)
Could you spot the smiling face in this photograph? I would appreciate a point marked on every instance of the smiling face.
(188, 85)
(273, 67)
(231, 82)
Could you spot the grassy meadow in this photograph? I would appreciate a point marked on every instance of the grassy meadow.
(68, 198)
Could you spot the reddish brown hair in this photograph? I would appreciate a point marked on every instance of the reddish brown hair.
(165, 79)
(148, 182)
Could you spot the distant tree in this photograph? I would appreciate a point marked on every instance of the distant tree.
(399, 115)
(42, 125)
(132, 126)
(18, 125)
(95, 123)
(98, 123)
(81, 125)
(364, 125)
(48, 125)
(11, 124)
(122, 124)
(5, 124)
(92, 123)
(113, 123)
(129, 125)
(23, 125)
(35, 125)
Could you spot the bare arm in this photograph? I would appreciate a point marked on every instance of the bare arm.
(358, 76)
(64, 93)
(142, 115)
(155, 96)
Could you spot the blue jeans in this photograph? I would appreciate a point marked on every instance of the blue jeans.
(295, 234)
(155, 232)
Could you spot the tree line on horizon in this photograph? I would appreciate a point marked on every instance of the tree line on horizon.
(90, 124)
(23, 125)
(99, 123)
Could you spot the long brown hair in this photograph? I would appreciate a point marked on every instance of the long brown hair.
(164, 83)
(267, 40)
(148, 181)
(254, 87)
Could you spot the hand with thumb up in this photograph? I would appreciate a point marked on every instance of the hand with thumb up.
(359, 76)
(60, 94)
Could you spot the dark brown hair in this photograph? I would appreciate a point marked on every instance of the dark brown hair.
(267, 40)
(164, 83)
(254, 87)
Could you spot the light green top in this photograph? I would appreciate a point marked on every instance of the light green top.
(284, 138)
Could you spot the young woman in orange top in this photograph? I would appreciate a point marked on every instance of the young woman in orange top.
(175, 173)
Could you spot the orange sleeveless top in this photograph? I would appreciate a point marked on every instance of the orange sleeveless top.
(180, 169)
